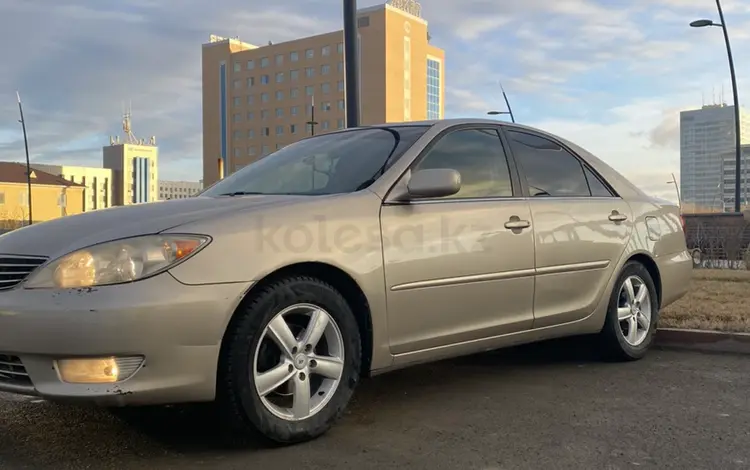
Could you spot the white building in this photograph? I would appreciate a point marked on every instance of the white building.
(178, 189)
(706, 137)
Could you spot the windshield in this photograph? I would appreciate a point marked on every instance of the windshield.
(340, 162)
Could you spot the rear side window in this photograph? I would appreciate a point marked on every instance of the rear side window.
(551, 170)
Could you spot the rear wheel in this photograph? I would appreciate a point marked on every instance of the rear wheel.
(632, 315)
(290, 361)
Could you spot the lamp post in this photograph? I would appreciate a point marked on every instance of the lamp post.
(351, 63)
(737, 128)
(312, 122)
(26, 146)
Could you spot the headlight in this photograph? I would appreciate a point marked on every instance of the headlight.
(117, 262)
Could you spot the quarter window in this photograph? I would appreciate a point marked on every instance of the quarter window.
(478, 155)
(550, 169)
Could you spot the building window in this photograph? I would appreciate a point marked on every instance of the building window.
(264, 97)
(363, 21)
(251, 82)
(309, 72)
(340, 85)
(264, 150)
(237, 151)
(326, 105)
(325, 69)
(294, 75)
(237, 101)
(280, 77)
(342, 104)
(237, 84)
(309, 90)
(250, 64)
(264, 114)
(309, 54)
(237, 117)
(279, 59)
(279, 130)
(279, 95)
(340, 123)
(279, 112)
(250, 115)
(325, 51)
(237, 134)
(266, 131)
(340, 67)
(325, 88)
(264, 80)
(433, 89)
(340, 48)
(250, 134)
(264, 62)
(237, 66)
(294, 92)
(292, 128)
(250, 99)
(294, 110)
(294, 56)
(251, 150)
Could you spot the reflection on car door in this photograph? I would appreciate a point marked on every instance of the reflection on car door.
(581, 228)
(454, 272)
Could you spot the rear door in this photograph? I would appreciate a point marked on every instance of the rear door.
(581, 227)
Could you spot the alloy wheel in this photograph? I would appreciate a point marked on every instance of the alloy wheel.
(299, 362)
(634, 310)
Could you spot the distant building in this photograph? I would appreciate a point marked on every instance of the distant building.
(178, 189)
(706, 137)
(51, 196)
(257, 99)
(97, 193)
(729, 171)
(134, 166)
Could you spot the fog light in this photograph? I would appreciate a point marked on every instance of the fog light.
(97, 370)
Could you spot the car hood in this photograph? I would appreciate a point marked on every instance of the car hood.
(65, 234)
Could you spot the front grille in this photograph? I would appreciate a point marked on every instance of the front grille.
(14, 269)
(12, 371)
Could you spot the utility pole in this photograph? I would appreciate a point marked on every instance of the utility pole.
(26, 146)
(351, 63)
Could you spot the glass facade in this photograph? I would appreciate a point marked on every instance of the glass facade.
(433, 89)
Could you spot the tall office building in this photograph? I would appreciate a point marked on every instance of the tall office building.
(706, 137)
(729, 181)
(257, 99)
(178, 189)
(135, 167)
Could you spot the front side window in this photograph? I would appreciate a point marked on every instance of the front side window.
(478, 156)
(340, 162)
(550, 169)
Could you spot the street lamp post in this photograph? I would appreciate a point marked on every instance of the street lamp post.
(26, 146)
(312, 122)
(737, 127)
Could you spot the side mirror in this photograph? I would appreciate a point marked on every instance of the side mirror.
(439, 182)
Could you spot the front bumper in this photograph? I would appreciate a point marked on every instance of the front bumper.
(176, 328)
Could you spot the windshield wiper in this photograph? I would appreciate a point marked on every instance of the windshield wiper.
(240, 193)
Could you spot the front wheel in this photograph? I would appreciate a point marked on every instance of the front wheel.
(290, 361)
(632, 315)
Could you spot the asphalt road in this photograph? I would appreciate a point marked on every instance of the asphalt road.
(552, 406)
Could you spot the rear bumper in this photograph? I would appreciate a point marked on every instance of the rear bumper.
(676, 274)
(168, 333)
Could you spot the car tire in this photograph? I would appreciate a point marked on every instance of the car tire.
(615, 339)
(239, 381)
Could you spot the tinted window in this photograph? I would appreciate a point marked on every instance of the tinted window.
(550, 169)
(478, 155)
(597, 187)
(339, 162)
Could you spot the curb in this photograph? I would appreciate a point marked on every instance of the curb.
(703, 340)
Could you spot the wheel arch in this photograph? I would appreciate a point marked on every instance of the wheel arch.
(341, 281)
(648, 262)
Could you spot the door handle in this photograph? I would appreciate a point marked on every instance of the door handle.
(515, 223)
(617, 217)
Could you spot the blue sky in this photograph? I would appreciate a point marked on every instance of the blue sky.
(611, 75)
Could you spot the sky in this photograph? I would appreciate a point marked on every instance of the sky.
(610, 75)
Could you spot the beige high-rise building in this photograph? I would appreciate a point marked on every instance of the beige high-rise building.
(257, 99)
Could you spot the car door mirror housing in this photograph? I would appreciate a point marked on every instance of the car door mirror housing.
(439, 182)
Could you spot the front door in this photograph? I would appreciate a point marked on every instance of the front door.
(460, 268)
(581, 228)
